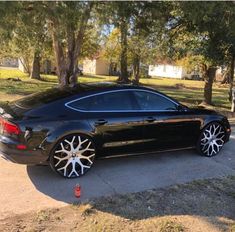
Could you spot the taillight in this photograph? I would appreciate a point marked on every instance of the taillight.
(8, 127)
(21, 147)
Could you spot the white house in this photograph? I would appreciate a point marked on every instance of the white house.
(167, 70)
(96, 66)
(9, 62)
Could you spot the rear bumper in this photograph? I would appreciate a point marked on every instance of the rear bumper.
(9, 152)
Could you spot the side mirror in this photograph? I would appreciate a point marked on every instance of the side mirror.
(182, 108)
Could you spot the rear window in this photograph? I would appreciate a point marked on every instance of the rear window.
(44, 97)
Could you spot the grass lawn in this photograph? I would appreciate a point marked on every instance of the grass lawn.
(199, 206)
(186, 91)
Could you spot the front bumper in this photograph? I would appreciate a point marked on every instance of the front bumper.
(9, 151)
(228, 134)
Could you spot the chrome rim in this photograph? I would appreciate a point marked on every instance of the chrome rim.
(212, 139)
(74, 156)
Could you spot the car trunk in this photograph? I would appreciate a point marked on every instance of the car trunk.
(8, 116)
(7, 112)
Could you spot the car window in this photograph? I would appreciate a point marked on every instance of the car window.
(112, 101)
(44, 97)
(152, 101)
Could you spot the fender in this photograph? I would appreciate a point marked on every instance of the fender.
(67, 128)
(212, 118)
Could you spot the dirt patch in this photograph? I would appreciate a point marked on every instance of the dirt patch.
(207, 205)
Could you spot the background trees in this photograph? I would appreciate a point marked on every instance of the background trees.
(24, 35)
(205, 30)
(67, 23)
(140, 33)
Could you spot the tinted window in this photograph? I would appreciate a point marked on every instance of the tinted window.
(44, 97)
(151, 101)
(120, 100)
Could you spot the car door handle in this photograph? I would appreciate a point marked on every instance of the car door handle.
(150, 119)
(100, 122)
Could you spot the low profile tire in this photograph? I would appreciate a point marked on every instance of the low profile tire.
(211, 139)
(73, 156)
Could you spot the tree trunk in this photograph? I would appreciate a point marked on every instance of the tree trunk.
(67, 63)
(123, 59)
(225, 78)
(231, 77)
(25, 63)
(59, 56)
(136, 69)
(66, 66)
(209, 76)
(71, 58)
(35, 71)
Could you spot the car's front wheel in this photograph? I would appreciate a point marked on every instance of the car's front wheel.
(73, 155)
(211, 139)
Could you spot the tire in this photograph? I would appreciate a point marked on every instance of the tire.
(211, 139)
(73, 155)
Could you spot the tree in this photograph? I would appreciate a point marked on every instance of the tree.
(122, 14)
(92, 41)
(26, 35)
(136, 22)
(148, 21)
(118, 15)
(112, 48)
(67, 23)
(206, 30)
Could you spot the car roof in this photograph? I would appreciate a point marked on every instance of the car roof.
(54, 94)
(104, 86)
(109, 86)
(39, 99)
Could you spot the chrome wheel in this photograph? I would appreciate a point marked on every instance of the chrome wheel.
(73, 156)
(212, 139)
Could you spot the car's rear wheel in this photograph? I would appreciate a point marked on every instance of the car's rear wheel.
(73, 155)
(211, 139)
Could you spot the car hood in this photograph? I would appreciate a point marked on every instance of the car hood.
(201, 110)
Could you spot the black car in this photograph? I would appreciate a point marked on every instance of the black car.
(69, 128)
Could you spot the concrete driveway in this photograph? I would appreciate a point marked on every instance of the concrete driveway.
(23, 189)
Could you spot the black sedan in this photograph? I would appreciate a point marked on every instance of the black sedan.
(69, 128)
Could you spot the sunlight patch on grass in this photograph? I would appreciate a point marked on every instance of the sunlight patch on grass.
(12, 73)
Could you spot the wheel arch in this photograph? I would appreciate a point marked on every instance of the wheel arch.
(68, 129)
(212, 119)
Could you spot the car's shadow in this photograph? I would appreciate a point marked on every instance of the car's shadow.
(133, 174)
(139, 173)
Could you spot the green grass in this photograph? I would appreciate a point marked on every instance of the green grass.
(186, 91)
(190, 92)
(11, 89)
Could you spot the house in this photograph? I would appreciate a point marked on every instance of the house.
(9, 62)
(172, 71)
(46, 66)
(96, 66)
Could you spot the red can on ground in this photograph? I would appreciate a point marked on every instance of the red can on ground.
(77, 191)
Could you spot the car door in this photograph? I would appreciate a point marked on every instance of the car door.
(166, 124)
(116, 125)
